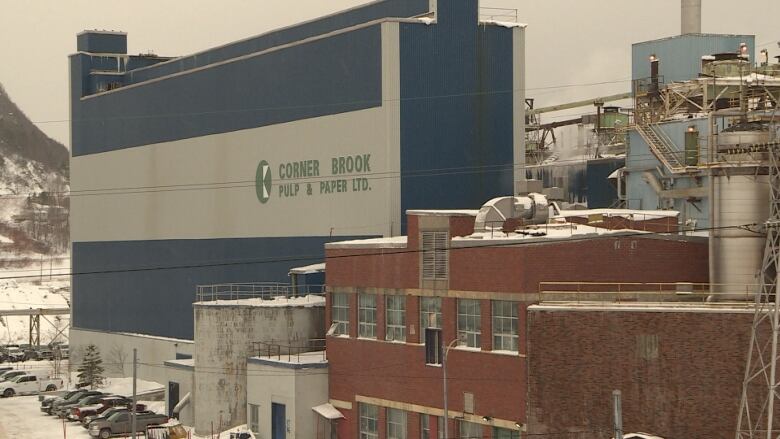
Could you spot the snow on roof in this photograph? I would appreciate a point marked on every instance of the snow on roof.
(443, 212)
(328, 411)
(5, 240)
(509, 24)
(296, 361)
(185, 362)
(706, 307)
(307, 301)
(633, 214)
(425, 20)
(309, 269)
(390, 242)
(541, 233)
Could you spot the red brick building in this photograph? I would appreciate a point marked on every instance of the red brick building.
(476, 288)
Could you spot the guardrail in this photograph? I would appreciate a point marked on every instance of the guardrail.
(260, 290)
(633, 292)
(290, 352)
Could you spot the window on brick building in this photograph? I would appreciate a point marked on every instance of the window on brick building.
(505, 433)
(395, 318)
(430, 312)
(396, 424)
(425, 427)
(369, 421)
(469, 430)
(367, 316)
(469, 322)
(340, 313)
(504, 326)
(435, 255)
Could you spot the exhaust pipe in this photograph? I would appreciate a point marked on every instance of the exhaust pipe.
(690, 17)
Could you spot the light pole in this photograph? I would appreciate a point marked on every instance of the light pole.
(444, 385)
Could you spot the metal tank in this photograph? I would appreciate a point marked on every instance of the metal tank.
(741, 196)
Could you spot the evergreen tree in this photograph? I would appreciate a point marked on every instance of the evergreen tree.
(91, 369)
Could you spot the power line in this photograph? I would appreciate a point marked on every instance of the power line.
(384, 252)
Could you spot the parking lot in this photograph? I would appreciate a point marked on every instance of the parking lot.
(20, 417)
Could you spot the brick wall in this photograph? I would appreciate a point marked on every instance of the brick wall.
(680, 373)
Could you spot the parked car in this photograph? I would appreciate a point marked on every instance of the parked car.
(139, 408)
(5, 369)
(120, 423)
(46, 403)
(74, 398)
(106, 402)
(14, 354)
(29, 385)
(45, 354)
(64, 410)
(7, 376)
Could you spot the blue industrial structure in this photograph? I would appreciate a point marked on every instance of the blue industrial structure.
(430, 103)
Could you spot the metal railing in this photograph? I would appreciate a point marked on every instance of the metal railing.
(290, 352)
(642, 292)
(498, 14)
(260, 290)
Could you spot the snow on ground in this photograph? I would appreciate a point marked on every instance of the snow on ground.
(34, 286)
(124, 386)
(20, 417)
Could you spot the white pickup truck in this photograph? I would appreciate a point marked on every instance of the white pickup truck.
(29, 385)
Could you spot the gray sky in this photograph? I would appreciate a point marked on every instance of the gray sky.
(569, 41)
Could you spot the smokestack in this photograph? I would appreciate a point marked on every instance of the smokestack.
(691, 17)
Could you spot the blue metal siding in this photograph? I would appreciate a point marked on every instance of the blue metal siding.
(329, 76)
(367, 13)
(680, 56)
(583, 182)
(101, 42)
(117, 288)
(456, 110)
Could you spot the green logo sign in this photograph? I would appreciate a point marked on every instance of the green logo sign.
(263, 181)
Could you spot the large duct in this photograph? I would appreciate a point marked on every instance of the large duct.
(531, 209)
(691, 17)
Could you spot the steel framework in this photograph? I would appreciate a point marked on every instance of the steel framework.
(757, 417)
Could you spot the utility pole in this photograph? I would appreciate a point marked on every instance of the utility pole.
(617, 414)
(444, 384)
(132, 409)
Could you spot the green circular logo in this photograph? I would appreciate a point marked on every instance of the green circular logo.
(263, 181)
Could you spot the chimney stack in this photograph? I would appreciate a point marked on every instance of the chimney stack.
(691, 17)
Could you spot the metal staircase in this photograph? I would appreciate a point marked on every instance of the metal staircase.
(662, 147)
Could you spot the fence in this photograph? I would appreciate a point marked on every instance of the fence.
(633, 292)
(266, 290)
(290, 352)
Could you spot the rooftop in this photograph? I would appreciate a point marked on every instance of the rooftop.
(677, 307)
(539, 233)
(389, 242)
(443, 212)
(308, 301)
(303, 360)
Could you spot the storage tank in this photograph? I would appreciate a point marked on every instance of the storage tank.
(741, 196)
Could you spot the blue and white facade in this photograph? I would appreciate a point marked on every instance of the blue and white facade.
(237, 163)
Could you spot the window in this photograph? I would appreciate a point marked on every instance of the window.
(254, 418)
(367, 316)
(340, 313)
(396, 424)
(433, 347)
(430, 312)
(504, 326)
(505, 433)
(368, 421)
(434, 255)
(469, 430)
(425, 427)
(395, 311)
(469, 322)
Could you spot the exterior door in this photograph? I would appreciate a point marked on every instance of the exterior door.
(173, 396)
(278, 421)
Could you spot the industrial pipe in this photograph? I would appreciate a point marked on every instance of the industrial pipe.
(690, 22)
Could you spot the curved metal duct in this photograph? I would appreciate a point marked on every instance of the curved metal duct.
(532, 209)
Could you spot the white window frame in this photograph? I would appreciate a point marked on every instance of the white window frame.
(368, 422)
(435, 255)
(254, 418)
(469, 430)
(395, 318)
(366, 316)
(505, 326)
(396, 424)
(470, 322)
(425, 426)
(430, 317)
(339, 313)
(505, 433)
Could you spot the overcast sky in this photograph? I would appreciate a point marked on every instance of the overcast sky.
(569, 41)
